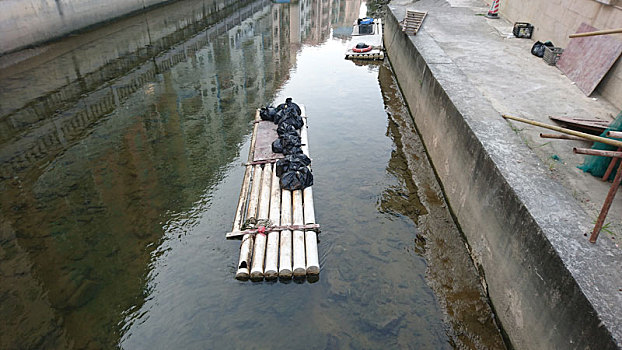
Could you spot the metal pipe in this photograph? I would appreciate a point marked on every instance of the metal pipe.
(597, 152)
(616, 134)
(612, 165)
(561, 136)
(597, 32)
(566, 131)
(605, 210)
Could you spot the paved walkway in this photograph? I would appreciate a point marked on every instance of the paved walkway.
(515, 82)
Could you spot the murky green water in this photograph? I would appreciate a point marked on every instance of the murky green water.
(121, 152)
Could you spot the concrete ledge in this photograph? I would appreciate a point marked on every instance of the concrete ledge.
(550, 287)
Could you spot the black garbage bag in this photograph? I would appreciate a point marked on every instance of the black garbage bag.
(293, 120)
(291, 162)
(361, 46)
(277, 146)
(286, 128)
(538, 48)
(287, 144)
(287, 113)
(267, 113)
(280, 115)
(296, 179)
(292, 150)
(289, 104)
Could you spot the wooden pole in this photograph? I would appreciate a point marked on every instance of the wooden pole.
(313, 263)
(247, 240)
(300, 268)
(272, 250)
(597, 32)
(259, 250)
(567, 131)
(285, 258)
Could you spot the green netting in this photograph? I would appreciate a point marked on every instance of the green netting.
(597, 165)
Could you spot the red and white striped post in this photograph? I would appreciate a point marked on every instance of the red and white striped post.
(494, 10)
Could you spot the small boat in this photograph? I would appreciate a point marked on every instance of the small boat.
(366, 40)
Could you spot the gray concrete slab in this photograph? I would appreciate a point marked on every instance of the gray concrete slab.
(523, 213)
(517, 83)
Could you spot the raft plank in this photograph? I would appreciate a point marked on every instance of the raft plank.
(265, 135)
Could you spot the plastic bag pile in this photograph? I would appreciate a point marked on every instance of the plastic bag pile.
(292, 170)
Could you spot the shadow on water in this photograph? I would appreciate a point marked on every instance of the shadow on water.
(451, 272)
(120, 150)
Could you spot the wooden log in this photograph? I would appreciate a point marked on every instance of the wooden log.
(298, 236)
(272, 249)
(597, 32)
(259, 249)
(247, 241)
(311, 252)
(285, 245)
(567, 131)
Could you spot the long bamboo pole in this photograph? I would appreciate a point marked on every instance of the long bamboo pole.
(272, 249)
(259, 249)
(285, 245)
(313, 263)
(247, 240)
(298, 236)
(237, 221)
(567, 131)
(597, 32)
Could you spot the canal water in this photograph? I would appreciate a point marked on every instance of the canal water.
(122, 152)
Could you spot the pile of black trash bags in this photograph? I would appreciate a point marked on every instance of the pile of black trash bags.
(292, 169)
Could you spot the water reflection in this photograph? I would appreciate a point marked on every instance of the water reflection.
(104, 144)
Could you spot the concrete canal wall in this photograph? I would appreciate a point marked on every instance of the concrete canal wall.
(28, 22)
(551, 289)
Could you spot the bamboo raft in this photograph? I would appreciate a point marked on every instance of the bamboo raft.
(277, 226)
(374, 39)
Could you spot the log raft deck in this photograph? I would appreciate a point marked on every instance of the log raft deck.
(277, 227)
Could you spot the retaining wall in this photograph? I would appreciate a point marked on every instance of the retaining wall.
(551, 288)
(29, 22)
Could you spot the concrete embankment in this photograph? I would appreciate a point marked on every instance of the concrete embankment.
(29, 22)
(549, 286)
